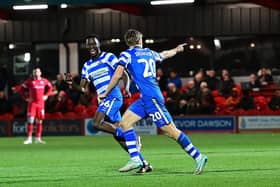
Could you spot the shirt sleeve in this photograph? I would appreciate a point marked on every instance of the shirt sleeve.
(84, 74)
(112, 60)
(157, 56)
(125, 59)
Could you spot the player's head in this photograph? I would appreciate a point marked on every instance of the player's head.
(36, 72)
(93, 45)
(133, 38)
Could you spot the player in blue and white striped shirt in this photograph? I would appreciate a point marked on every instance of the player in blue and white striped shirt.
(141, 64)
(99, 70)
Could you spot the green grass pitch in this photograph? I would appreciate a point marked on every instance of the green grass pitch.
(234, 160)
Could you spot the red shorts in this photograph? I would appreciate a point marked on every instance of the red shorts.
(36, 110)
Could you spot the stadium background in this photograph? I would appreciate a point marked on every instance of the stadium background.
(53, 39)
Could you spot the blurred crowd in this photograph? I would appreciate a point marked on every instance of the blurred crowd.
(209, 93)
(204, 93)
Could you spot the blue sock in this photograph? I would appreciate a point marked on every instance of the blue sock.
(131, 143)
(141, 157)
(119, 132)
(187, 145)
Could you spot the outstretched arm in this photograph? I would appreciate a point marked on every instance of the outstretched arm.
(172, 52)
(114, 81)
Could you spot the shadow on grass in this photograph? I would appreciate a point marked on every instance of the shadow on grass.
(168, 172)
(156, 172)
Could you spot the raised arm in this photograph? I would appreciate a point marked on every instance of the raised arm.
(172, 52)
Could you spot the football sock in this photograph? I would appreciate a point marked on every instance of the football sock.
(39, 129)
(119, 132)
(130, 138)
(120, 139)
(187, 145)
(29, 130)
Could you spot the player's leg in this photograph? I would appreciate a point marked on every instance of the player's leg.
(120, 137)
(111, 128)
(163, 120)
(30, 122)
(146, 167)
(130, 117)
(187, 145)
(39, 130)
(109, 108)
(100, 124)
(40, 115)
(108, 117)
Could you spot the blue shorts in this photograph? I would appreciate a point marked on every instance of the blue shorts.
(153, 107)
(111, 108)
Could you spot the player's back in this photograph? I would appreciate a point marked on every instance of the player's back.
(100, 71)
(141, 64)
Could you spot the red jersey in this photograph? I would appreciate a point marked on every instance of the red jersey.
(36, 88)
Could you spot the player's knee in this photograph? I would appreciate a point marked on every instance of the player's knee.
(97, 124)
(168, 134)
(171, 131)
(125, 125)
(38, 121)
(30, 119)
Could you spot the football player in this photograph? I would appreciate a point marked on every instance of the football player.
(141, 64)
(99, 70)
(36, 98)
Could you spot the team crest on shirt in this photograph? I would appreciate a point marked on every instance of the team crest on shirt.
(100, 62)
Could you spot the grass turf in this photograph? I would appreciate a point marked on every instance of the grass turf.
(234, 160)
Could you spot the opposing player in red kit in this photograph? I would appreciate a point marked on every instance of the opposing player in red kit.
(35, 91)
